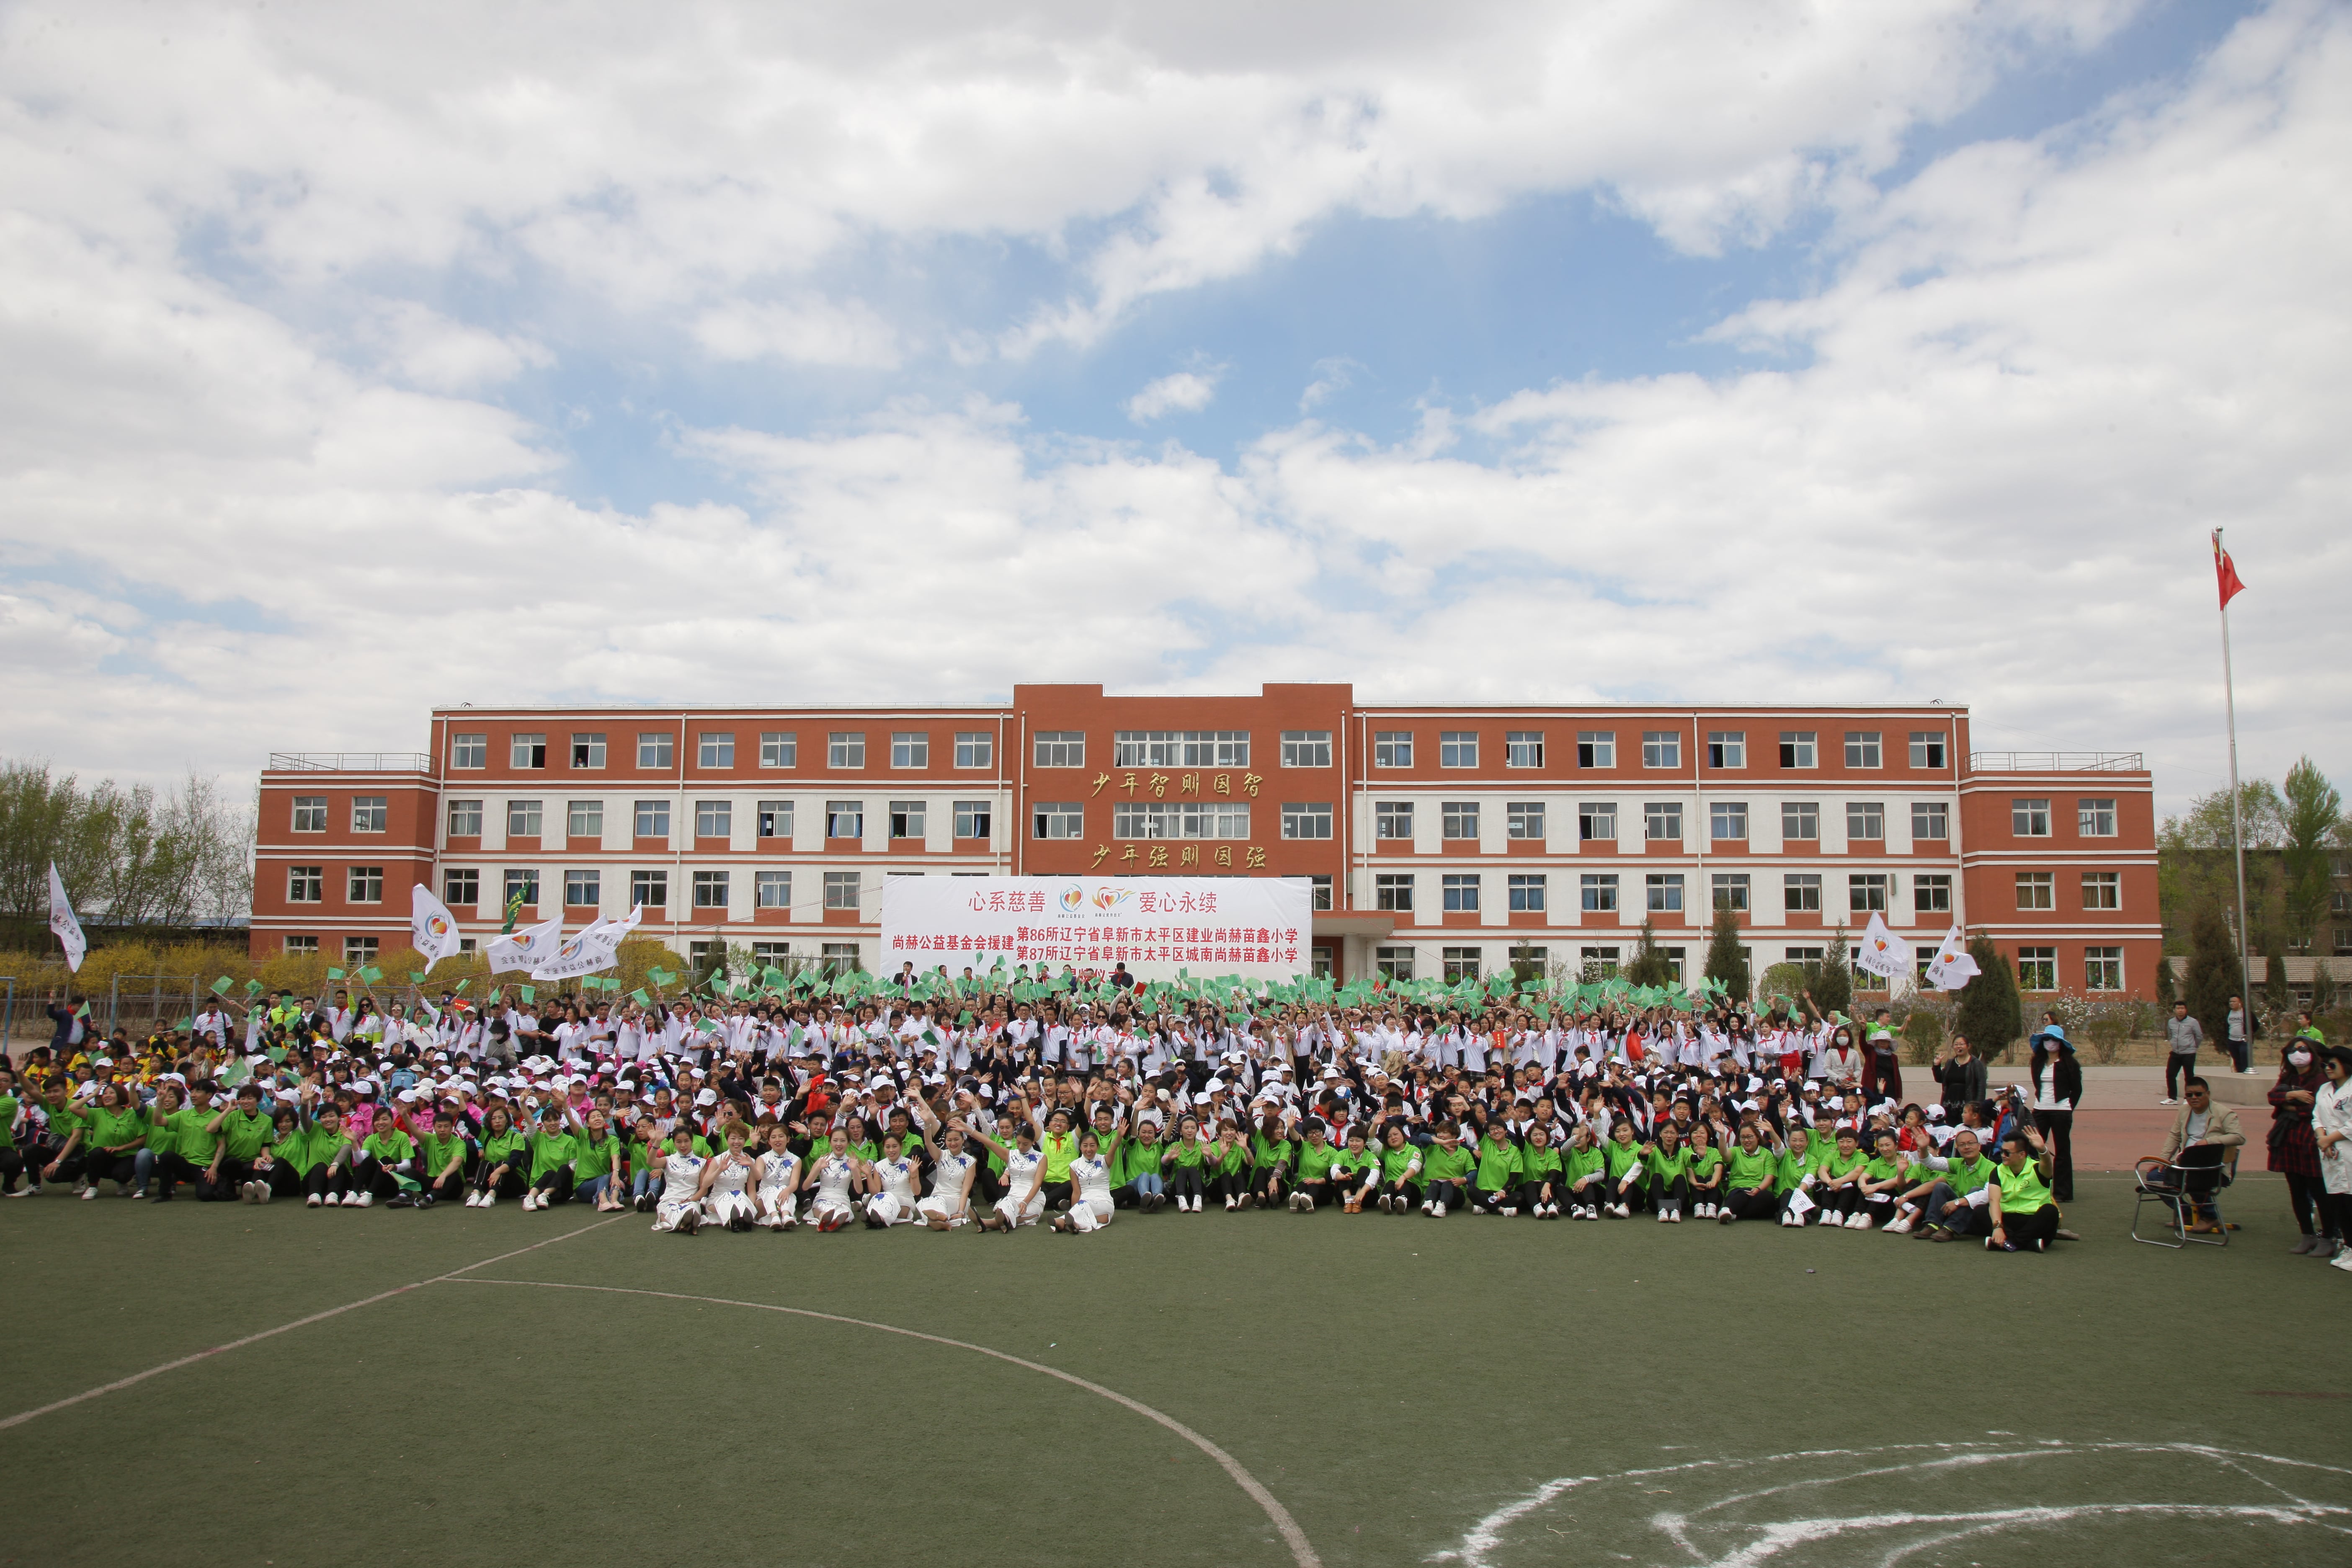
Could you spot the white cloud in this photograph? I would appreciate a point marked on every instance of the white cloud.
(429, 350)
(1188, 391)
(804, 332)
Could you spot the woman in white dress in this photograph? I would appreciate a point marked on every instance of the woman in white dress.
(891, 1183)
(727, 1181)
(831, 1174)
(1090, 1207)
(2331, 1128)
(950, 1203)
(776, 1184)
(1024, 1180)
(680, 1169)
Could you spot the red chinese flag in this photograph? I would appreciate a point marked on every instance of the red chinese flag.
(2225, 572)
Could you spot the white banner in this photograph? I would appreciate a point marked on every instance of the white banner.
(431, 928)
(1881, 952)
(1259, 927)
(1952, 967)
(62, 921)
(596, 948)
(527, 948)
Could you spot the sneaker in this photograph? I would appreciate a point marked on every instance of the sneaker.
(1305, 1204)
(2342, 1260)
(424, 1200)
(399, 1201)
(140, 1194)
(1992, 1245)
(86, 1192)
(314, 1201)
(1510, 1213)
(1665, 1217)
(266, 1192)
(1792, 1221)
(334, 1200)
(365, 1201)
(1900, 1226)
(489, 1200)
(23, 1193)
(1859, 1222)
(473, 1200)
(1437, 1211)
(1382, 1201)
(1724, 1216)
(2168, 1099)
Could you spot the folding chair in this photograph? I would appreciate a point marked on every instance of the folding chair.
(2190, 1182)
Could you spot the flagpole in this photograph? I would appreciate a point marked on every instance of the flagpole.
(2237, 829)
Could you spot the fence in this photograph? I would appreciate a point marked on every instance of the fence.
(161, 1005)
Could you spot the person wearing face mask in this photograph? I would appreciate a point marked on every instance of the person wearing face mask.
(2295, 1151)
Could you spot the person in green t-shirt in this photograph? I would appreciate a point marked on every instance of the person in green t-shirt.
(1795, 1173)
(1539, 1173)
(195, 1152)
(1838, 1180)
(1355, 1171)
(279, 1176)
(1950, 1199)
(1273, 1156)
(1750, 1179)
(1400, 1171)
(552, 1149)
(2024, 1212)
(1316, 1157)
(503, 1171)
(1627, 1186)
(1884, 1175)
(387, 1155)
(114, 1131)
(1446, 1167)
(1135, 1173)
(59, 1155)
(245, 1135)
(1226, 1162)
(1184, 1166)
(1669, 1165)
(1706, 1171)
(441, 1159)
(1494, 1179)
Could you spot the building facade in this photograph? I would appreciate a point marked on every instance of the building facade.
(1440, 839)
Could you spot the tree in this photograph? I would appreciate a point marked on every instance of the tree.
(1650, 965)
(2165, 989)
(2277, 997)
(1724, 962)
(2323, 990)
(1831, 980)
(2214, 973)
(1989, 1012)
(2314, 817)
(2195, 865)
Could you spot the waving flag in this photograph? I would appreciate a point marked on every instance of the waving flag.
(2225, 572)
(526, 949)
(62, 921)
(431, 928)
(1881, 952)
(1951, 968)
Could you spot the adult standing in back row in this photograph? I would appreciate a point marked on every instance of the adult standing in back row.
(2183, 1034)
(1962, 1073)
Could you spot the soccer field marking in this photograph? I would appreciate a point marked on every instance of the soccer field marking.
(1301, 1549)
(1485, 1538)
(121, 1384)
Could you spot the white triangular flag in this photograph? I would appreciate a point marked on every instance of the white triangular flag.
(62, 921)
(528, 947)
(431, 928)
(1881, 952)
(1952, 967)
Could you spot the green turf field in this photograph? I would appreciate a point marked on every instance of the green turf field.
(1505, 1391)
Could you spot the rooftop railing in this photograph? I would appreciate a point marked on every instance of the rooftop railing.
(349, 761)
(2055, 763)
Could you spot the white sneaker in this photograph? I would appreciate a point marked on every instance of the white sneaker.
(264, 1192)
(1899, 1227)
(1510, 1213)
(334, 1200)
(1664, 1218)
(489, 1200)
(1306, 1204)
(1792, 1221)
(473, 1200)
(314, 1201)
(2168, 1099)
(1437, 1211)
(2342, 1260)
(1859, 1222)
(365, 1200)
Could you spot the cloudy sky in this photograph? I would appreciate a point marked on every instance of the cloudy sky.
(357, 360)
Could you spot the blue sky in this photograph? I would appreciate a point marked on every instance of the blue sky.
(1828, 353)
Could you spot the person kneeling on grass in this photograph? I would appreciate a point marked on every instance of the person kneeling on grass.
(2024, 1213)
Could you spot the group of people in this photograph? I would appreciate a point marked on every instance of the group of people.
(972, 1110)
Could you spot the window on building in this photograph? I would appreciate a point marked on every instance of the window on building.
(1459, 819)
(1307, 748)
(1058, 819)
(655, 749)
(1726, 748)
(1523, 819)
(2029, 819)
(1179, 819)
(2103, 889)
(1727, 819)
(1662, 820)
(1931, 893)
(775, 820)
(910, 749)
(582, 888)
(1523, 749)
(465, 819)
(584, 818)
(841, 889)
(1392, 819)
(2103, 969)
(366, 885)
(368, 814)
(972, 818)
(1596, 748)
(1391, 747)
(1662, 748)
(1806, 955)
(846, 748)
(359, 951)
(306, 884)
(715, 749)
(652, 819)
(1800, 893)
(1396, 963)
(839, 957)
(300, 947)
(771, 891)
(1600, 960)
(525, 881)
(1527, 893)
(1596, 819)
(844, 819)
(1180, 748)
(1597, 891)
(2095, 818)
(309, 813)
(522, 818)
(1926, 749)
(528, 751)
(1393, 890)
(1665, 891)
(1461, 964)
(1797, 750)
(650, 889)
(469, 751)
(714, 818)
(1306, 819)
(1862, 749)
(1931, 819)
(1800, 819)
(1460, 891)
(2037, 969)
(2036, 891)
(1060, 749)
(1458, 748)
(1865, 819)
(587, 751)
(780, 749)
(910, 818)
(975, 749)
(1865, 892)
(1731, 892)
(710, 890)
(1318, 892)
(2343, 941)
(461, 885)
